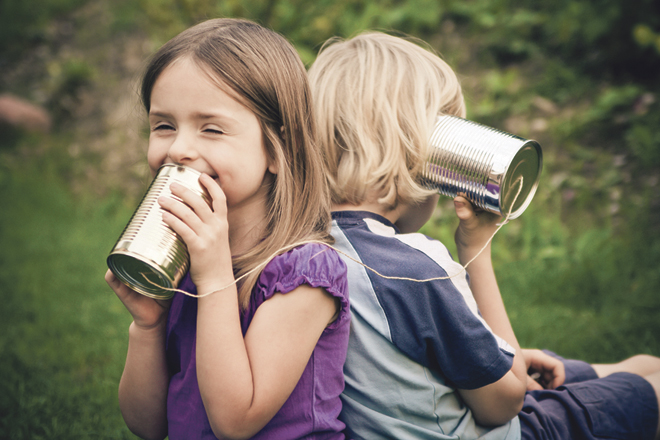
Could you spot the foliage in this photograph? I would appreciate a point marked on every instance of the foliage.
(305, 23)
(608, 38)
(66, 81)
(599, 55)
(23, 23)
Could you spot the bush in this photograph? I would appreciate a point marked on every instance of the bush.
(23, 23)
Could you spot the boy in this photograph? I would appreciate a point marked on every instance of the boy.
(438, 359)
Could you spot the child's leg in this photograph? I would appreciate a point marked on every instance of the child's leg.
(578, 371)
(654, 380)
(622, 406)
(641, 364)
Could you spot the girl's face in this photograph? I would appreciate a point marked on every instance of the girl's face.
(194, 122)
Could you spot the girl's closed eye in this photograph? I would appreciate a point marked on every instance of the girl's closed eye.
(162, 127)
(214, 130)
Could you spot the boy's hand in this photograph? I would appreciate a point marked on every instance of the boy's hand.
(545, 371)
(476, 226)
(147, 312)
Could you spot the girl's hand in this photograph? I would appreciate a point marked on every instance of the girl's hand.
(545, 371)
(147, 312)
(476, 226)
(204, 229)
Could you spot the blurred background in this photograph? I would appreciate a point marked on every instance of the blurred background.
(579, 271)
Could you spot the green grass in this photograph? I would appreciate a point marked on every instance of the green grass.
(63, 332)
(595, 296)
(590, 293)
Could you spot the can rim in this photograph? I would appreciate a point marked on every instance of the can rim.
(157, 292)
(177, 165)
(509, 187)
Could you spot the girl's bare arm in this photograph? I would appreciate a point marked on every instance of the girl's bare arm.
(244, 382)
(144, 382)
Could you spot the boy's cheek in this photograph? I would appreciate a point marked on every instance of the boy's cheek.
(416, 215)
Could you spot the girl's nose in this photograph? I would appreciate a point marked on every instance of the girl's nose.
(183, 149)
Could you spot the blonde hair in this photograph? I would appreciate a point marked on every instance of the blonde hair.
(377, 97)
(266, 75)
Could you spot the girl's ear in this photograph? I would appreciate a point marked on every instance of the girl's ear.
(272, 166)
(272, 163)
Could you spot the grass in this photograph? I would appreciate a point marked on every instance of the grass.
(589, 294)
(63, 333)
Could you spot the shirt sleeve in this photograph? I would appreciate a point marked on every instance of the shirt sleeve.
(313, 264)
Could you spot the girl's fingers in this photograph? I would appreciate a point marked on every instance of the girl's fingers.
(183, 215)
(120, 289)
(200, 226)
(190, 200)
(125, 295)
(111, 279)
(179, 226)
(192, 206)
(218, 199)
(146, 312)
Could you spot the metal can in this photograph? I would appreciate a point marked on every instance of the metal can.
(497, 171)
(149, 256)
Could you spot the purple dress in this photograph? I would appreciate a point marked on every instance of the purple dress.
(312, 409)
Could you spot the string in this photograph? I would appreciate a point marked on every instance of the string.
(388, 277)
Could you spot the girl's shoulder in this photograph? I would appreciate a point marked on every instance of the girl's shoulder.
(315, 264)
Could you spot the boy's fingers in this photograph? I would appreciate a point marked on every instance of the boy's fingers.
(532, 384)
(464, 209)
(558, 377)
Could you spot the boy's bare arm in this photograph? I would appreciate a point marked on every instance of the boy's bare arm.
(500, 401)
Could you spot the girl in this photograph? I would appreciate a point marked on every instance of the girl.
(230, 99)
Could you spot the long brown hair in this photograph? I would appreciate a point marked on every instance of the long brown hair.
(265, 74)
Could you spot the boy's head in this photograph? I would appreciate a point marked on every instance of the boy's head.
(377, 98)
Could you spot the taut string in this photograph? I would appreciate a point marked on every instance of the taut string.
(291, 246)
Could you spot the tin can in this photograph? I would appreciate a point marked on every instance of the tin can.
(497, 171)
(149, 256)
